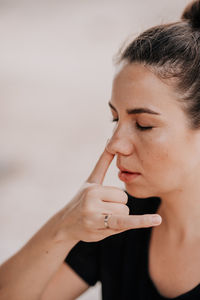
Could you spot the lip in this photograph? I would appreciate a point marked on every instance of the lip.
(126, 170)
(127, 175)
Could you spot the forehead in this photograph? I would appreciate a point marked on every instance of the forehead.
(135, 85)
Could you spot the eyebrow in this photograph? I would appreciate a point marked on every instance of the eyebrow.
(137, 110)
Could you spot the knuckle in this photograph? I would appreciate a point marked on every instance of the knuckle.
(87, 223)
(148, 220)
(115, 188)
(143, 221)
(126, 210)
(93, 191)
(87, 184)
(122, 209)
(124, 197)
(87, 207)
(119, 223)
(138, 221)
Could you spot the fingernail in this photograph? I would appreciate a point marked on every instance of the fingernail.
(156, 219)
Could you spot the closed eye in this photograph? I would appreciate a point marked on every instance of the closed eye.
(138, 126)
(143, 127)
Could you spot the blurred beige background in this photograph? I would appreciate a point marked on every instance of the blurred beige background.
(55, 81)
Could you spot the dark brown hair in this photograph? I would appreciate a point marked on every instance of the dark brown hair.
(172, 51)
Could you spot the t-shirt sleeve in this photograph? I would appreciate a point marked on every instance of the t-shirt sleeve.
(84, 260)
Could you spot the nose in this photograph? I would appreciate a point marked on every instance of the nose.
(120, 143)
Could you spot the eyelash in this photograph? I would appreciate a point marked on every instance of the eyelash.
(142, 128)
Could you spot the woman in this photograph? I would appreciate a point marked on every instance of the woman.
(100, 235)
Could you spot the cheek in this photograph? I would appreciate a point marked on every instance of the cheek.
(160, 153)
(165, 162)
(156, 158)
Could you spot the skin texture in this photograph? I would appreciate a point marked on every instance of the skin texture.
(168, 158)
(167, 155)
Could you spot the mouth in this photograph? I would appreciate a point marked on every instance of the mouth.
(126, 170)
(127, 175)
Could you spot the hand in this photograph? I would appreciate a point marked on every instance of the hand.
(83, 217)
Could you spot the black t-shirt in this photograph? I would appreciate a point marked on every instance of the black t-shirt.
(120, 262)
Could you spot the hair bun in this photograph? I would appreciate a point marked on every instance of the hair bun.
(192, 14)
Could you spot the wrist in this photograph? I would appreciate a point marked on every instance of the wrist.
(53, 235)
(62, 230)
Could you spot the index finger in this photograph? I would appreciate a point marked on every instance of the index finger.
(101, 167)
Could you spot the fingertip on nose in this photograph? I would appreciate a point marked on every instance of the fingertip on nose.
(108, 148)
(107, 145)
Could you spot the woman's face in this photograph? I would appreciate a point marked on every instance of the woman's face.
(155, 139)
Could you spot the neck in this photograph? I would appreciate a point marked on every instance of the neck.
(180, 211)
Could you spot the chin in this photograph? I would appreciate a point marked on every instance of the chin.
(140, 193)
